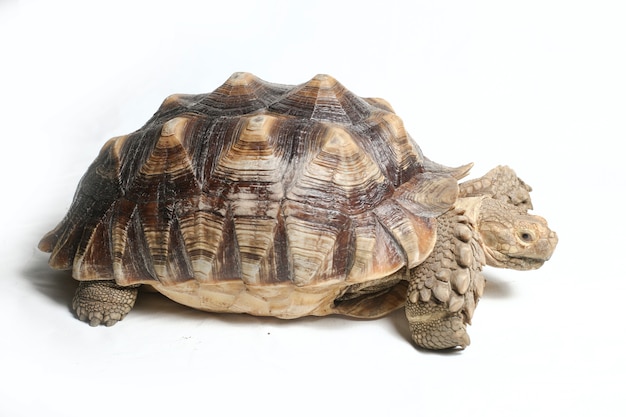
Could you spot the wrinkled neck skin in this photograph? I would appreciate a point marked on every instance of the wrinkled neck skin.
(511, 237)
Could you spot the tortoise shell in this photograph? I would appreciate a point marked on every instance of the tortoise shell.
(261, 198)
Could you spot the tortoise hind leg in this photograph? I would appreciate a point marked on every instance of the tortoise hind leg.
(103, 302)
(444, 289)
(374, 301)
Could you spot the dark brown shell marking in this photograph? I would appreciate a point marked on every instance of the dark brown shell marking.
(259, 182)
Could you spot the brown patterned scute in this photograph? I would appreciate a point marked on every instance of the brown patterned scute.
(258, 182)
(98, 189)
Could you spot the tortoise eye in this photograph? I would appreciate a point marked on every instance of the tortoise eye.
(526, 236)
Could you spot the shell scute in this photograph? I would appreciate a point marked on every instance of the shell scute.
(323, 99)
(340, 176)
(256, 183)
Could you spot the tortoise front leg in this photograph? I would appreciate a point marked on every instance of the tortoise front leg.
(501, 183)
(103, 302)
(444, 289)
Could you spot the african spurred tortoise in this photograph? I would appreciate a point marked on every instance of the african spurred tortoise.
(289, 201)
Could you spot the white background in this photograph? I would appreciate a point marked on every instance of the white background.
(537, 85)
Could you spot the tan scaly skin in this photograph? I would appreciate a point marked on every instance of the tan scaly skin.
(491, 228)
(103, 302)
(443, 290)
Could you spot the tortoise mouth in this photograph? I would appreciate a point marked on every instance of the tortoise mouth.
(518, 262)
(526, 263)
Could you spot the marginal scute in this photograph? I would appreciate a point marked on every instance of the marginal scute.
(415, 235)
(204, 237)
(376, 253)
(129, 248)
(90, 261)
(256, 237)
(428, 194)
(311, 237)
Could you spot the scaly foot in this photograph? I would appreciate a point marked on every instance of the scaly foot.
(103, 302)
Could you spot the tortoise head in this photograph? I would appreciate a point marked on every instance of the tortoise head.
(512, 238)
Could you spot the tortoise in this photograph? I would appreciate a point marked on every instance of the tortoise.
(289, 201)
